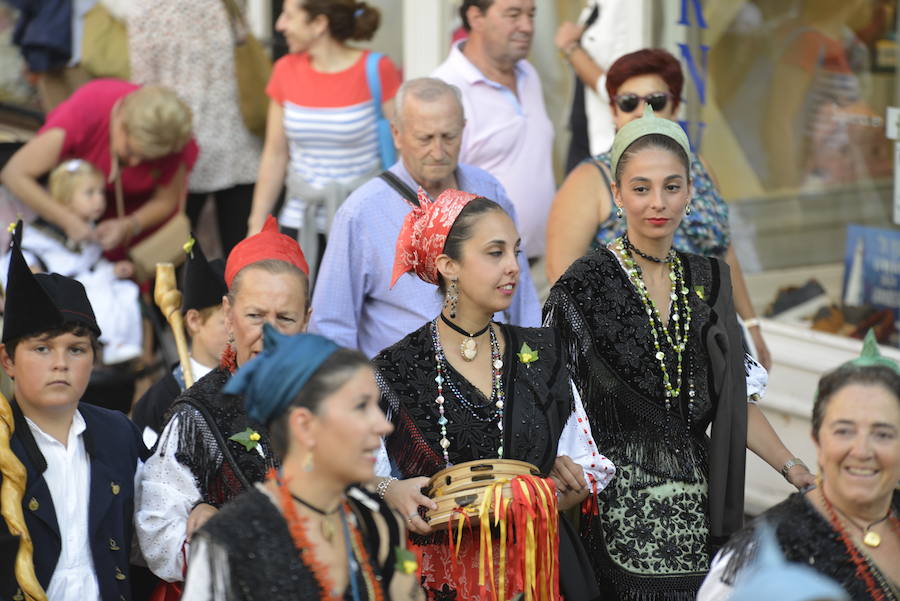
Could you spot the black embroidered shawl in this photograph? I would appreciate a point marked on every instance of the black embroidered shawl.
(538, 403)
(608, 342)
(805, 536)
(222, 468)
(263, 563)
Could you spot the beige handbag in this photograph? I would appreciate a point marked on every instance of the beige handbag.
(165, 245)
(104, 46)
(252, 67)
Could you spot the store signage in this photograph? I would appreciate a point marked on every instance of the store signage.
(690, 16)
(872, 268)
(892, 127)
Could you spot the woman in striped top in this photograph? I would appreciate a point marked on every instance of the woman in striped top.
(320, 137)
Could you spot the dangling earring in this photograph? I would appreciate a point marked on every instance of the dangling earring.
(687, 209)
(819, 480)
(618, 212)
(452, 297)
(308, 463)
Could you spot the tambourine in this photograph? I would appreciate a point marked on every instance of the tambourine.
(460, 489)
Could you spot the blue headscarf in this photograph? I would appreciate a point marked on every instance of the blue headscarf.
(771, 577)
(272, 379)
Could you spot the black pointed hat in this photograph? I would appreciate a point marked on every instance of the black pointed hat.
(38, 302)
(203, 282)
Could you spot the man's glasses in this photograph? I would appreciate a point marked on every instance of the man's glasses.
(627, 103)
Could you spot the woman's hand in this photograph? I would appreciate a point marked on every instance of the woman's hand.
(570, 483)
(78, 230)
(113, 232)
(200, 514)
(405, 497)
(123, 269)
(567, 35)
(800, 476)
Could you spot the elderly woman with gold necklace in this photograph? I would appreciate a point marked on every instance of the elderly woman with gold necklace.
(847, 527)
(656, 355)
(463, 387)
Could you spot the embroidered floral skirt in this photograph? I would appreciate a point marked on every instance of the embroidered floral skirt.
(649, 542)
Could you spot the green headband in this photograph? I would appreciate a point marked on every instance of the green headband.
(871, 356)
(644, 126)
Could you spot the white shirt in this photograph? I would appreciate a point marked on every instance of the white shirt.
(617, 31)
(509, 135)
(68, 477)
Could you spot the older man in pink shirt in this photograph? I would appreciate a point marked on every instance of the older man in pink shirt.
(507, 129)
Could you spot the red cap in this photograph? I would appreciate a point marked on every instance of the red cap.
(267, 244)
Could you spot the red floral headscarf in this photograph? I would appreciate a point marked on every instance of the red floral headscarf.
(424, 233)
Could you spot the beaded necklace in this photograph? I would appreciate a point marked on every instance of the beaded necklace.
(863, 570)
(657, 329)
(297, 526)
(497, 394)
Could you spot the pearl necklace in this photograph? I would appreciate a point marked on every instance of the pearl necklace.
(496, 389)
(660, 332)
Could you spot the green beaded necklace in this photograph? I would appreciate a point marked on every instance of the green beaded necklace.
(679, 309)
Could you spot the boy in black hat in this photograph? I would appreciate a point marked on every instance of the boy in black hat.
(80, 460)
(203, 286)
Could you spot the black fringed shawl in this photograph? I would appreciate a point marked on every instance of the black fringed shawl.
(221, 467)
(805, 536)
(608, 342)
(538, 403)
(261, 563)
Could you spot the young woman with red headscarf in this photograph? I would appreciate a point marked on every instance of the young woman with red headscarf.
(583, 216)
(463, 387)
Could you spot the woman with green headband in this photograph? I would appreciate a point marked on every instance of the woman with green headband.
(307, 532)
(657, 356)
(847, 527)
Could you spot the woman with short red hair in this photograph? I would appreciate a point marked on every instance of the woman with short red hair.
(583, 216)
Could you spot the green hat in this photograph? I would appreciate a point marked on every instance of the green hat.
(647, 124)
(871, 356)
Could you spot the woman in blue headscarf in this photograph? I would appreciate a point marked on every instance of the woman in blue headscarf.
(307, 532)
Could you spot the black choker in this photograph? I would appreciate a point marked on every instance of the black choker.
(468, 348)
(313, 507)
(326, 527)
(628, 245)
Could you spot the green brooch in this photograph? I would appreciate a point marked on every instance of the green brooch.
(700, 291)
(249, 438)
(527, 354)
(406, 560)
(189, 245)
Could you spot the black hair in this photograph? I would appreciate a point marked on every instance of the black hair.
(73, 328)
(483, 6)
(846, 375)
(658, 141)
(334, 372)
(462, 230)
(347, 19)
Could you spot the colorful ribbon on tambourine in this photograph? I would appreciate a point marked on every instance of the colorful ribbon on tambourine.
(528, 540)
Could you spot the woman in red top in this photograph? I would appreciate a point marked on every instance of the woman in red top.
(144, 133)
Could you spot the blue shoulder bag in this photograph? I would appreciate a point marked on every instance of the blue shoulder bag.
(386, 149)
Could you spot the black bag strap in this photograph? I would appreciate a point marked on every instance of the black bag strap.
(400, 186)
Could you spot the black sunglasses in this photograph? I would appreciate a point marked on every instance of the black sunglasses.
(627, 103)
